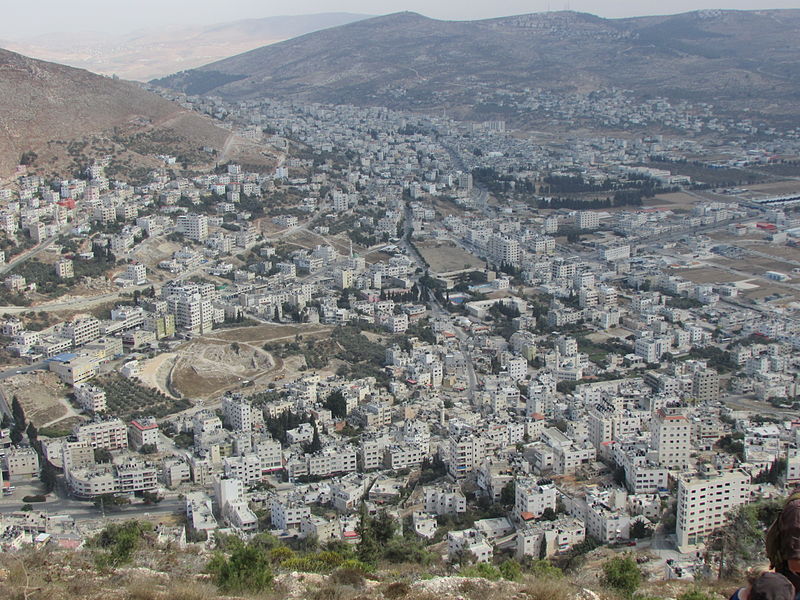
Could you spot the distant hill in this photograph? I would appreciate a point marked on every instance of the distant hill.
(734, 59)
(43, 106)
(154, 53)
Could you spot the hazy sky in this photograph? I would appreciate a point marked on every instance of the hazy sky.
(31, 17)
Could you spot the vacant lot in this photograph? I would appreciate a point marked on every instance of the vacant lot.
(675, 201)
(708, 275)
(776, 187)
(223, 360)
(444, 257)
(207, 367)
(42, 395)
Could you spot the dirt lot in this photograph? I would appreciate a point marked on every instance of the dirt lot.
(444, 257)
(778, 187)
(208, 366)
(675, 201)
(42, 395)
(708, 275)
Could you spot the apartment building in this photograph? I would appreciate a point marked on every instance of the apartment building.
(705, 385)
(445, 500)
(91, 398)
(143, 432)
(109, 434)
(672, 438)
(531, 498)
(194, 227)
(704, 502)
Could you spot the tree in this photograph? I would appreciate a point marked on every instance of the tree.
(151, 497)
(383, 527)
(508, 494)
(33, 433)
(18, 414)
(316, 444)
(110, 500)
(148, 449)
(102, 455)
(623, 574)
(548, 514)
(640, 530)
(510, 570)
(48, 476)
(337, 404)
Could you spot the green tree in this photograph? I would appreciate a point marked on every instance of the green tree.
(120, 541)
(640, 530)
(548, 514)
(33, 433)
(510, 570)
(48, 476)
(337, 404)
(102, 455)
(105, 501)
(247, 569)
(623, 574)
(508, 494)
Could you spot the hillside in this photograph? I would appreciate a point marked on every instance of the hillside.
(154, 53)
(735, 59)
(56, 111)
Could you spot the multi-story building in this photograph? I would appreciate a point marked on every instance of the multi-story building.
(587, 219)
(109, 434)
(287, 514)
(705, 385)
(531, 499)
(64, 269)
(194, 227)
(445, 500)
(672, 438)
(143, 432)
(81, 331)
(91, 398)
(704, 503)
(22, 462)
(237, 413)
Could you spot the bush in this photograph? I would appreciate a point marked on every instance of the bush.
(694, 595)
(120, 541)
(396, 589)
(245, 570)
(623, 574)
(510, 570)
(37, 498)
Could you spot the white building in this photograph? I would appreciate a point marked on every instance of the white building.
(704, 503)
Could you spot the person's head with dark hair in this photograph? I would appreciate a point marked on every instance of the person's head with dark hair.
(771, 586)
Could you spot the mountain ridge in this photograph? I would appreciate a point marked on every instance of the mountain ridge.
(43, 105)
(405, 60)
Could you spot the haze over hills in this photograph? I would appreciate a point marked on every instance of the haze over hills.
(154, 53)
(734, 59)
(41, 102)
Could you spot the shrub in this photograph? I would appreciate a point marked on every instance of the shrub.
(280, 554)
(345, 576)
(510, 570)
(245, 570)
(623, 574)
(694, 594)
(396, 589)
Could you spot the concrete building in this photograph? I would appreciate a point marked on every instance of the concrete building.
(704, 501)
